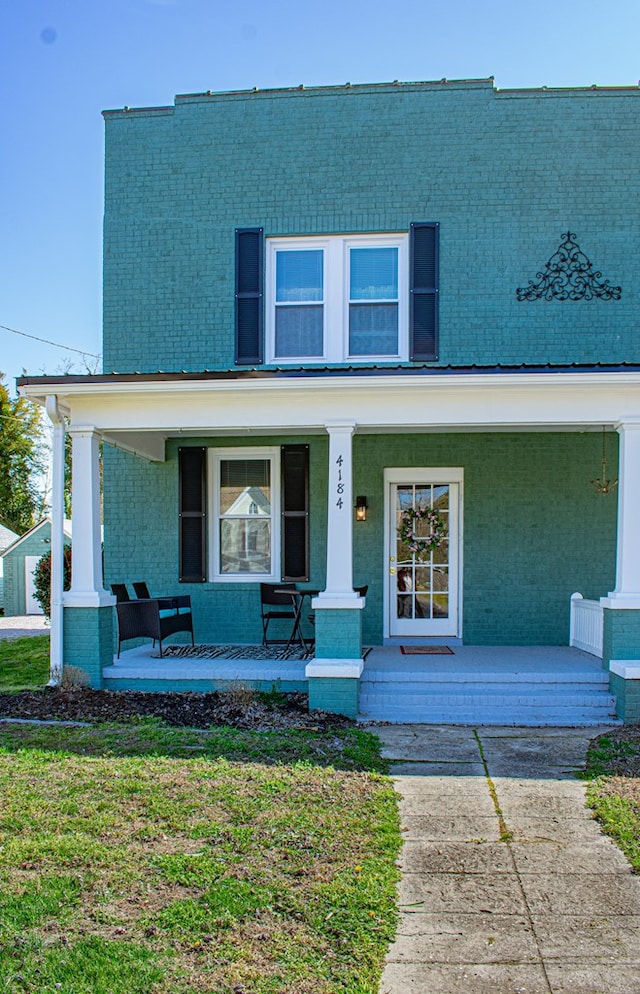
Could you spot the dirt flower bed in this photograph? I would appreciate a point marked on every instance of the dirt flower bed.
(625, 787)
(240, 708)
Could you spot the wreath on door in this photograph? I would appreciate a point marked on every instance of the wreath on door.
(421, 545)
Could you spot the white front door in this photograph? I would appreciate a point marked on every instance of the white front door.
(32, 606)
(423, 552)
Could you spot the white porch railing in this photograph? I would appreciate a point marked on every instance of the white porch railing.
(585, 625)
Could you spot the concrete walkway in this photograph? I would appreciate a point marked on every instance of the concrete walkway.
(20, 625)
(508, 886)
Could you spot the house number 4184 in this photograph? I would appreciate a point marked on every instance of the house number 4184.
(339, 484)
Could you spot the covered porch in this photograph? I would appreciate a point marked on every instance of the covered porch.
(479, 685)
(513, 450)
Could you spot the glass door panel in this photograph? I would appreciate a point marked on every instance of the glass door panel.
(423, 576)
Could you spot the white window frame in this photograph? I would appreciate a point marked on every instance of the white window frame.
(336, 283)
(215, 457)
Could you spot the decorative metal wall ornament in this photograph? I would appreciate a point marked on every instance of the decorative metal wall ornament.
(569, 275)
(601, 484)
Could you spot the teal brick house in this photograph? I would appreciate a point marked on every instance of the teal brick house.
(418, 297)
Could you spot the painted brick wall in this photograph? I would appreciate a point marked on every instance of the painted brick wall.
(338, 634)
(505, 173)
(627, 694)
(621, 635)
(339, 696)
(88, 641)
(534, 531)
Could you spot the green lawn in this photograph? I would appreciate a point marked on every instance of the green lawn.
(613, 768)
(146, 859)
(24, 663)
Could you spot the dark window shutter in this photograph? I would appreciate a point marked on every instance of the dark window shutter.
(249, 296)
(294, 468)
(192, 515)
(423, 291)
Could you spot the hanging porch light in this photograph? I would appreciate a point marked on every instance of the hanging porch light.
(601, 484)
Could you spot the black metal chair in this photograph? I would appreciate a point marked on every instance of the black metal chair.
(275, 604)
(142, 591)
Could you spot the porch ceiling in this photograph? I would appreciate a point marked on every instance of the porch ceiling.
(140, 414)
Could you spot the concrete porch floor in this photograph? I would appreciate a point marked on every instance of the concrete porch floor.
(490, 662)
(137, 668)
(385, 663)
(513, 685)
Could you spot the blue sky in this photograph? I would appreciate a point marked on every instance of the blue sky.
(63, 61)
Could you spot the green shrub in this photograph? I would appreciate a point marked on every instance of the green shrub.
(42, 579)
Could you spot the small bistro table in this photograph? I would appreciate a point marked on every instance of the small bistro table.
(298, 598)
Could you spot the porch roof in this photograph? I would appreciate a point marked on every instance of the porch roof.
(138, 412)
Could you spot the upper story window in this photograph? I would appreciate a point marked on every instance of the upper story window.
(337, 298)
(299, 302)
(331, 299)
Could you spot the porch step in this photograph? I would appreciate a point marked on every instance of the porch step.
(592, 676)
(513, 699)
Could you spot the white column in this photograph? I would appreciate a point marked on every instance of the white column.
(57, 541)
(340, 515)
(627, 591)
(86, 576)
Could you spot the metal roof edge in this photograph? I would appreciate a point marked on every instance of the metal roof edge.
(328, 372)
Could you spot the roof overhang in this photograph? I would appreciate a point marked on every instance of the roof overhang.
(140, 412)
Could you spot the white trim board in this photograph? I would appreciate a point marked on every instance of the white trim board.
(628, 669)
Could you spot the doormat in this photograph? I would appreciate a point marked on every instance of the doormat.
(426, 650)
(277, 652)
